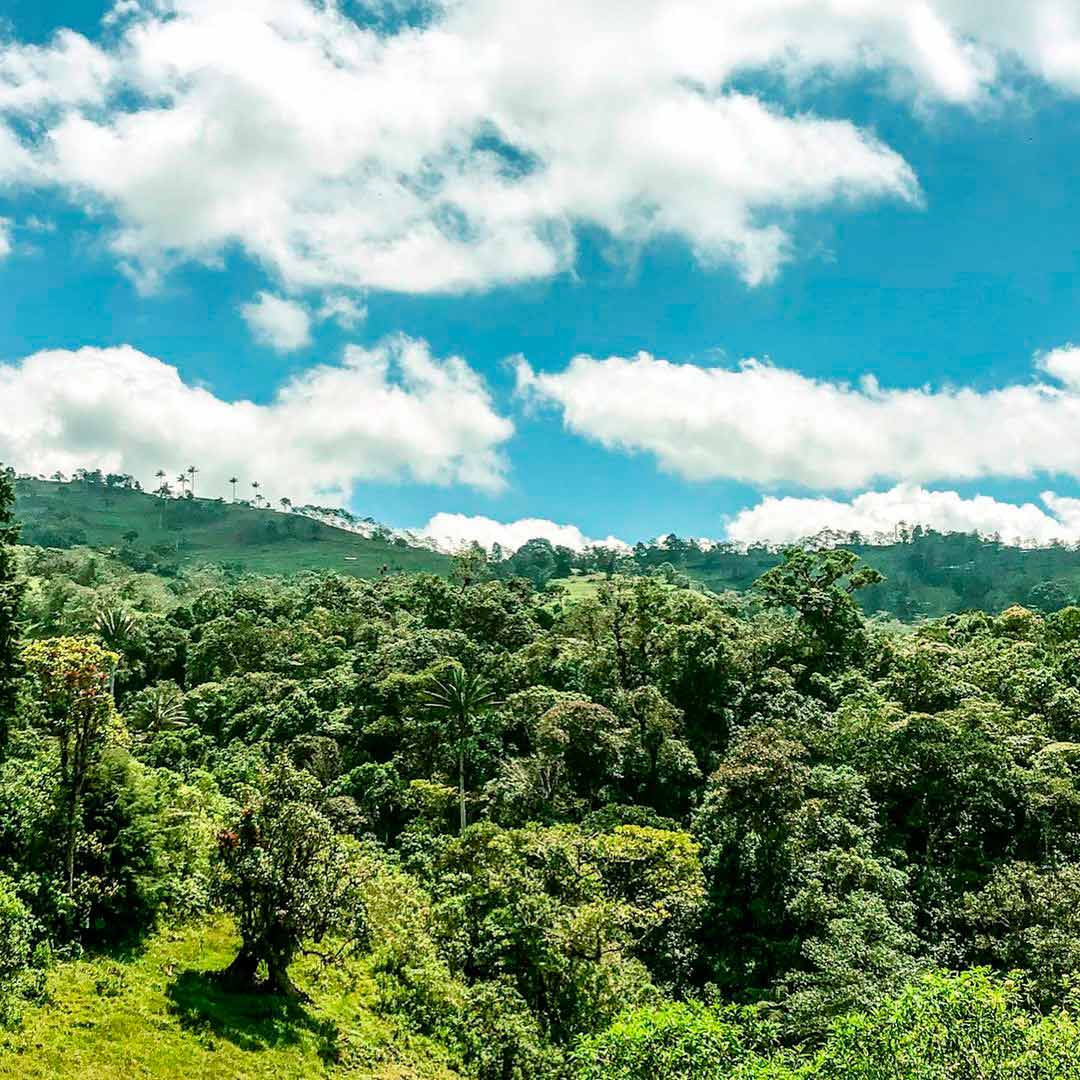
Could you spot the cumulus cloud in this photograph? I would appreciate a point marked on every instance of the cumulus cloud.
(284, 325)
(464, 153)
(389, 413)
(346, 311)
(876, 514)
(452, 532)
(767, 425)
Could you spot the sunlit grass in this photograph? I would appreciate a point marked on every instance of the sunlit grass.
(162, 1014)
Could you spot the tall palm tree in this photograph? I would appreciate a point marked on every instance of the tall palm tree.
(114, 626)
(234, 480)
(159, 476)
(256, 485)
(191, 471)
(182, 481)
(465, 698)
(286, 504)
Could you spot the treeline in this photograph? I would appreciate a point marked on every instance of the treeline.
(704, 836)
(926, 574)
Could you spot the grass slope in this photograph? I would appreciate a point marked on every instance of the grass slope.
(160, 1014)
(198, 531)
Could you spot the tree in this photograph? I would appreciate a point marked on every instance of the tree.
(470, 564)
(255, 487)
(820, 586)
(465, 698)
(115, 627)
(289, 880)
(234, 480)
(191, 471)
(286, 504)
(70, 681)
(11, 591)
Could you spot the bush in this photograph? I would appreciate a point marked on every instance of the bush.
(678, 1041)
(16, 953)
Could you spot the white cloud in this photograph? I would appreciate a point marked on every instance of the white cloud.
(346, 311)
(70, 71)
(767, 425)
(452, 532)
(389, 413)
(1062, 364)
(284, 325)
(5, 237)
(876, 514)
(463, 154)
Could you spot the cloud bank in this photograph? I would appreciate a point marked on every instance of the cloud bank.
(767, 425)
(452, 532)
(875, 513)
(393, 412)
(464, 153)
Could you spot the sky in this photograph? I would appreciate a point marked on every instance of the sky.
(589, 269)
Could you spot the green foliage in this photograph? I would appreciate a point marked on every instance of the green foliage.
(288, 880)
(16, 954)
(175, 533)
(11, 589)
(676, 1040)
(768, 804)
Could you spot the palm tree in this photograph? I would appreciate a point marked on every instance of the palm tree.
(114, 626)
(256, 485)
(234, 481)
(465, 698)
(192, 470)
(286, 504)
(182, 481)
(160, 477)
(159, 709)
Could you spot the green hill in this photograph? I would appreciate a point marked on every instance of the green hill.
(162, 534)
(158, 1013)
(927, 574)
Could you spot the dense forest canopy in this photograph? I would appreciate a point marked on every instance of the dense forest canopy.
(648, 831)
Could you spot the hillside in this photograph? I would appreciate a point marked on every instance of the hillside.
(152, 533)
(158, 1012)
(927, 574)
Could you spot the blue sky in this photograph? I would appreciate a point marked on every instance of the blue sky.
(937, 251)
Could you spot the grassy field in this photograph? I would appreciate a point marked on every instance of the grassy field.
(161, 1014)
(204, 531)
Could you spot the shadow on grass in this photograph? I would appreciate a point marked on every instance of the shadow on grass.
(252, 1021)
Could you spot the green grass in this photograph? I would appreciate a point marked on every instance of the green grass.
(582, 586)
(161, 1014)
(199, 531)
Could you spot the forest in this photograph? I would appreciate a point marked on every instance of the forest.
(456, 825)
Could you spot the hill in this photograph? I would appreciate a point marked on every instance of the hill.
(927, 574)
(159, 1012)
(163, 534)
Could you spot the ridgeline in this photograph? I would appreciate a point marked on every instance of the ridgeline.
(161, 535)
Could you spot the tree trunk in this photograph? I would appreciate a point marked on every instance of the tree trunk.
(278, 981)
(242, 973)
(461, 784)
(69, 839)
